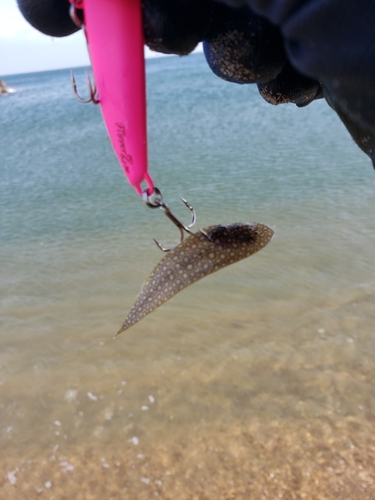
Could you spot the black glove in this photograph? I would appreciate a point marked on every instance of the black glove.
(51, 17)
(243, 47)
(239, 46)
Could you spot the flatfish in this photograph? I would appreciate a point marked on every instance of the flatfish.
(199, 255)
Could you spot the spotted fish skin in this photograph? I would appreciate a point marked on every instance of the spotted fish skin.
(201, 254)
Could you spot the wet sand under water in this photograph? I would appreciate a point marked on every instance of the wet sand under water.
(317, 459)
(257, 419)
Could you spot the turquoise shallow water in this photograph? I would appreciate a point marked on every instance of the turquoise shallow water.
(291, 327)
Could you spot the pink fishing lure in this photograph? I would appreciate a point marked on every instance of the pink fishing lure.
(115, 41)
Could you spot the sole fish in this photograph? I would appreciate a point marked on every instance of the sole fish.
(199, 255)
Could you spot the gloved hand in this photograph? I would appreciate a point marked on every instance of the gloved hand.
(296, 51)
(239, 45)
(242, 47)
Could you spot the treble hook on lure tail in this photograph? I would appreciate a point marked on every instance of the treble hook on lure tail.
(155, 200)
(114, 33)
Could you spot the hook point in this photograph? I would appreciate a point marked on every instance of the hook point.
(92, 90)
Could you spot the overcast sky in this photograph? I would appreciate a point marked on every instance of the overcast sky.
(23, 49)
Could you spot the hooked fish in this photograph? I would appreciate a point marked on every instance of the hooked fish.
(201, 254)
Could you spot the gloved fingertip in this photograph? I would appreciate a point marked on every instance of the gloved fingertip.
(241, 47)
(290, 86)
(50, 17)
(175, 26)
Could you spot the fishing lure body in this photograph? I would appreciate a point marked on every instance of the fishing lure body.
(114, 34)
(201, 254)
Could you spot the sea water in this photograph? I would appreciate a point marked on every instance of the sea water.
(251, 378)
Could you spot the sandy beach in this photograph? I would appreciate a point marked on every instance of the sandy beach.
(319, 459)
